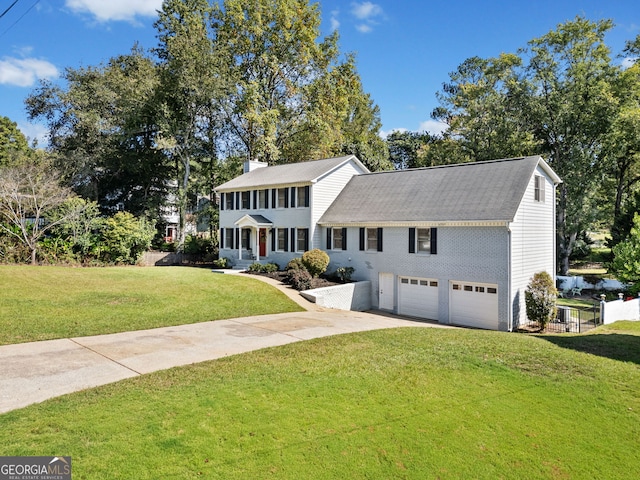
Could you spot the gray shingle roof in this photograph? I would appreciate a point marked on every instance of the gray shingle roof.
(479, 191)
(304, 172)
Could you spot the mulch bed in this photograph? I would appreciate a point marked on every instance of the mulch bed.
(282, 277)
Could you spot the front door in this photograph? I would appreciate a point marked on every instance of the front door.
(263, 242)
(385, 291)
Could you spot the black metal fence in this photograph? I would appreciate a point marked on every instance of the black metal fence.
(575, 320)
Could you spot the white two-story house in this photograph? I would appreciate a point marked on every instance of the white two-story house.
(457, 243)
(272, 213)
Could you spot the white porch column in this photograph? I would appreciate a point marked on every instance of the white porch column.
(239, 240)
(256, 242)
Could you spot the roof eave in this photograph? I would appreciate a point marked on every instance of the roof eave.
(425, 223)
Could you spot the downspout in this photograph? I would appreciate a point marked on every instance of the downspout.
(509, 275)
(555, 236)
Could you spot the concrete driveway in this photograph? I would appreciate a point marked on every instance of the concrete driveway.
(34, 372)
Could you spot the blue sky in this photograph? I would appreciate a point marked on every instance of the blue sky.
(404, 49)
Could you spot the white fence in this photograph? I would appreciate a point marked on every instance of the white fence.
(567, 284)
(620, 310)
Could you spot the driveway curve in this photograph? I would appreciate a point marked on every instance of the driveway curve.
(36, 371)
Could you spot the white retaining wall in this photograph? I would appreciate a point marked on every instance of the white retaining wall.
(350, 296)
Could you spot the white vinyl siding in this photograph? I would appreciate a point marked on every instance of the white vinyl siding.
(532, 241)
(325, 191)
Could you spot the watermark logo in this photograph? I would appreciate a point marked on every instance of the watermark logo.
(35, 468)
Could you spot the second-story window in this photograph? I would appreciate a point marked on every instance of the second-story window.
(263, 199)
(228, 197)
(246, 200)
(283, 198)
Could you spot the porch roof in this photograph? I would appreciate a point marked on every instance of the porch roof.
(253, 221)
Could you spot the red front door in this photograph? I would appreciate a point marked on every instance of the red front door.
(263, 242)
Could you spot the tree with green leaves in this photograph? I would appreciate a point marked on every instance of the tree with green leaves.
(12, 141)
(293, 99)
(271, 56)
(555, 98)
(31, 195)
(621, 149)
(103, 131)
(406, 148)
(572, 77)
(626, 261)
(483, 107)
(189, 93)
(540, 299)
(125, 238)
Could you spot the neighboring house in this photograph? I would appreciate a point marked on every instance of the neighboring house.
(456, 243)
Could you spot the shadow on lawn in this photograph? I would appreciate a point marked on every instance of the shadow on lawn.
(616, 346)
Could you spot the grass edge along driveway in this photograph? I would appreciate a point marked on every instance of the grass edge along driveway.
(401, 403)
(44, 303)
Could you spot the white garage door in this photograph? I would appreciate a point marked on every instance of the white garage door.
(474, 304)
(418, 297)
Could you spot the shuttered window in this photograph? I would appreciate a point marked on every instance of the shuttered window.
(371, 239)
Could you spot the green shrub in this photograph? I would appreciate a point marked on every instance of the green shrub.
(316, 261)
(626, 260)
(299, 279)
(540, 299)
(125, 238)
(196, 245)
(223, 262)
(270, 267)
(266, 268)
(344, 274)
(295, 264)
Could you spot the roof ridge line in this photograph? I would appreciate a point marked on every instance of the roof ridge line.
(463, 164)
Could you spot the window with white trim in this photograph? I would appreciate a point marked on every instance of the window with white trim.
(302, 239)
(423, 240)
(282, 198)
(539, 189)
(228, 237)
(246, 200)
(372, 239)
(282, 239)
(301, 197)
(337, 242)
(262, 198)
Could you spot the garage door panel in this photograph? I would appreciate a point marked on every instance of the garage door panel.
(418, 297)
(474, 305)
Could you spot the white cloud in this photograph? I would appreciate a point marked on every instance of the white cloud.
(366, 10)
(628, 62)
(23, 72)
(335, 23)
(106, 10)
(433, 127)
(367, 13)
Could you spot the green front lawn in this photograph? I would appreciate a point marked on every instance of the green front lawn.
(403, 403)
(40, 303)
